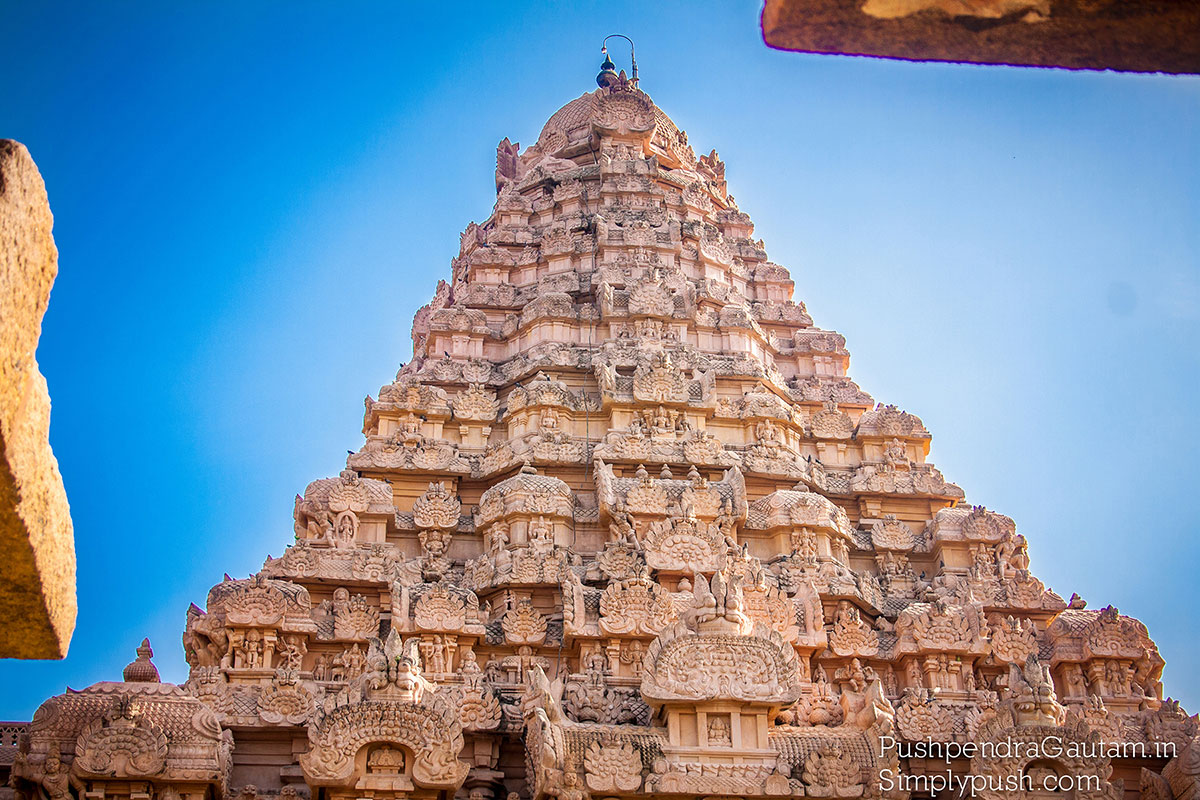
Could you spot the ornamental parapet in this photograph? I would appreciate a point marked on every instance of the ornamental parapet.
(140, 737)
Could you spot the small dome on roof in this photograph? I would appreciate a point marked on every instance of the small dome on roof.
(141, 670)
(526, 492)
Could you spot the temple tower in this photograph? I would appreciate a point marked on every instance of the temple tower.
(622, 525)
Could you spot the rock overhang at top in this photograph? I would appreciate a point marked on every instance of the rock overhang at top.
(1124, 35)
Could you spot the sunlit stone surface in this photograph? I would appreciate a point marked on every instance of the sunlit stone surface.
(37, 540)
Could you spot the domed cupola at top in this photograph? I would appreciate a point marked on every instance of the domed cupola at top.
(618, 112)
(623, 526)
(623, 112)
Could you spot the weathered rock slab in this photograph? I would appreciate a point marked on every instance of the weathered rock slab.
(1125, 35)
(37, 571)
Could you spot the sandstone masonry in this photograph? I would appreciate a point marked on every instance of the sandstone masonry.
(623, 527)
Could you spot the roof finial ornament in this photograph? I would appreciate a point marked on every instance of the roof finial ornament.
(141, 669)
(608, 77)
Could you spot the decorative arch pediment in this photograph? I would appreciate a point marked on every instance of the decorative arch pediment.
(430, 739)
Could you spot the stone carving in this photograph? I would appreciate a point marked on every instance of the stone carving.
(1100, 721)
(635, 606)
(769, 606)
(440, 609)
(681, 544)
(436, 508)
(831, 773)
(353, 616)
(720, 658)
(1033, 698)
(478, 708)
(1007, 757)
(1111, 635)
(122, 744)
(523, 625)
(851, 635)
(1013, 640)
(343, 733)
(348, 664)
(942, 626)
(1180, 779)
(863, 702)
(254, 603)
(476, 403)
(138, 730)
(590, 697)
(285, 701)
(891, 534)
(657, 381)
(620, 560)
(921, 717)
(612, 767)
(1170, 724)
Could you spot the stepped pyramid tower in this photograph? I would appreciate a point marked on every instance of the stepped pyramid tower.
(624, 527)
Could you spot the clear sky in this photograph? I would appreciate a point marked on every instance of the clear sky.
(252, 199)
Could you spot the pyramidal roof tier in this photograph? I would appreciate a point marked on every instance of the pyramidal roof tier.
(611, 246)
(624, 527)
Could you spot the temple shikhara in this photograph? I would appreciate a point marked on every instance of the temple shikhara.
(624, 527)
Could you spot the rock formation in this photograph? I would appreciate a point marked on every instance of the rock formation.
(1127, 35)
(622, 526)
(37, 573)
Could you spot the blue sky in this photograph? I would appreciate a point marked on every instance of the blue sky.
(251, 200)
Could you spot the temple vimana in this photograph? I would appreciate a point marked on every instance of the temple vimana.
(623, 527)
